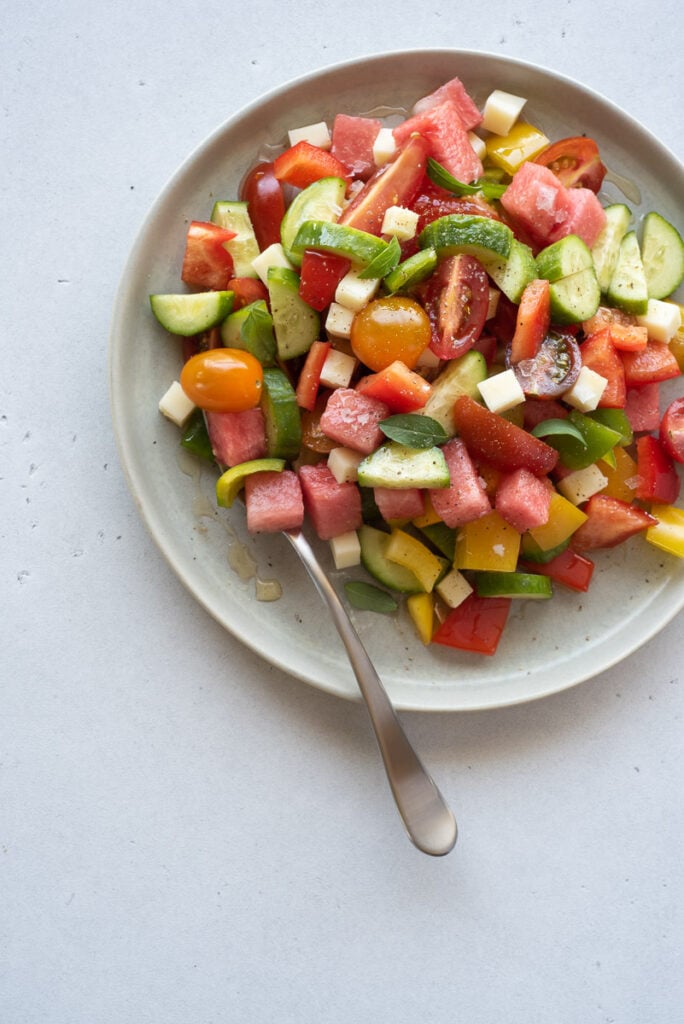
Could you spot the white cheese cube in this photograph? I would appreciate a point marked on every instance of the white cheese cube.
(427, 360)
(478, 144)
(273, 256)
(316, 134)
(338, 369)
(176, 405)
(501, 111)
(585, 393)
(579, 486)
(346, 550)
(343, 463)
(353, 292)
(454, 588)
(493, 303)
(502, 391)
(339, 320)
(384, 146)
(400, 222)
(662, 320)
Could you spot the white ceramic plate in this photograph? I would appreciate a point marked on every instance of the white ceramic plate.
(547, 646)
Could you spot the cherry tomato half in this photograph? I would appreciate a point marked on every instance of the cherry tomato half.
(575, 161)
(223, 380)
(672, 430)
(388, 329)
(456, 299)
(263, 194)
(553, 370)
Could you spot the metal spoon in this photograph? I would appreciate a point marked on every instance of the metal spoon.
(430, 824)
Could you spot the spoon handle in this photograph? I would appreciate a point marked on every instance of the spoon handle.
(428, 820)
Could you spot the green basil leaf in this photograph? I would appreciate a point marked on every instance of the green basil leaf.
(440, 176)
(257, 335)
(547, 428)
(414, 431)
(384, 262)
(370, 598)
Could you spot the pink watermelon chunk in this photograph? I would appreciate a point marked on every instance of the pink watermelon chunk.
(642, 407)
(455, 91)
(586, 217)
(274, 502)
(352, 143)
(523, 500)
(537, 201)
(332, 508)
(465, 499)
(397, 504)
(352, 419)
(442, 126)
(237, 436)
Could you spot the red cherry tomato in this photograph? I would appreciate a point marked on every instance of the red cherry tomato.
(553, 370)
(263, 194)
(672, 430)
(456, 299)
(575, 161)
(223, 380)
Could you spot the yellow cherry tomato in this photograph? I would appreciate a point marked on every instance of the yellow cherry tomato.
(223, 380)
(388, 329)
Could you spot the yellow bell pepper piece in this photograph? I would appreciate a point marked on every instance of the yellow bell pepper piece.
(421, 608)
(487, 543)
(429, 516)
(668, 533)
(403, 549)
(677, 343)
(522, 143)
(564, 519)
(625, 470)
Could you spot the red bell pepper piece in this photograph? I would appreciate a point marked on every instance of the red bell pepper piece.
(653, 363)
(401, 389)
(600, 355)
(206, 264)
(658, 479)
(610, 522)
(475, 625)
(302, 164)
(533, 320)
(247, 290)
(568, 568)
(310, 377)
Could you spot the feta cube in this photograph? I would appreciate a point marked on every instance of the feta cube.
(343, 463)
(346, 550)
(176, 405)
(317, 134)
(662, 320)
(400, 222)
(339, 320)
(585, 393)
(579, 486)
(501, 111)
(427, 360)
(384, 146)
(502, 391)
(454, 588)
(354, 292)
(273, 256)
(478, 144)
(338, 369)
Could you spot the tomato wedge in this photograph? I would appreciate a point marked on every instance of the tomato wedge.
(533, 320)
(310, 377)
(610, 522)
(263, 194)
(650, 365)
(206, 264)
(396, 184)
(575, 161)
(475, 625)
(672, 430)
(658, 479)
(456, 299)
(401, 389)
(499, 442)
(246, 291)
(320, 274)
(600, 355)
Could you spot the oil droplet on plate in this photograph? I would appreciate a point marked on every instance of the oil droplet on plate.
(268, 590)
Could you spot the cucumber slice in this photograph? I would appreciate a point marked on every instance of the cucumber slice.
(251, 329)
(575, 298)
(412, 271)
(459, 377)
(628, 288)
(529, 585)
(358, 246)
(563, 258)
(320, 201)
(191, 313)
(394, 465)
(662, 255)
(244, 247)
(511, 275)
(532, 552)
(230, 483)
(281, 416)
(295, 323)
(606, 247)
(373, 544)
(481, 237)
